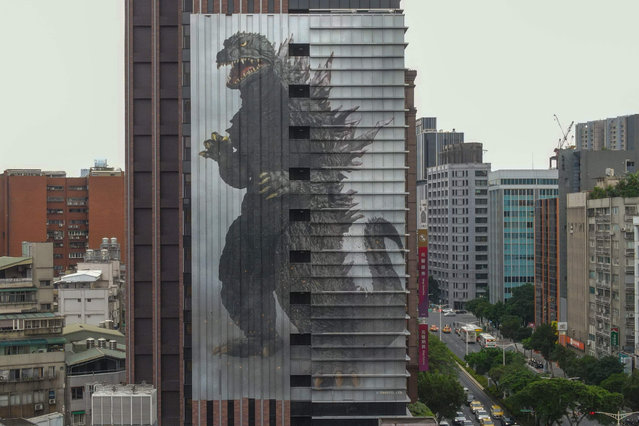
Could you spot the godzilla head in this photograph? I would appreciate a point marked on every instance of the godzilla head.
(248, 54)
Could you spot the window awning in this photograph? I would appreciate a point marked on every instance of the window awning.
(18, 289)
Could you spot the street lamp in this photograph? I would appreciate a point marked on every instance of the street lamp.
(440, 319)
(619, 416)
(503, 350)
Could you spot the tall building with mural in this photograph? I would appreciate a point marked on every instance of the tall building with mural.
(268, 211)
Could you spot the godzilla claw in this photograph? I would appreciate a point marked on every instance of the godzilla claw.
(272, 196)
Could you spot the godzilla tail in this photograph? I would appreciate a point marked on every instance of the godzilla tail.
(376, 231)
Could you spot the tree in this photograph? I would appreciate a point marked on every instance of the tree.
(487, 358)
(615, 383)
(439, 357)
(510, 324)
(433, 289)
(442, 393)
(555, 398)
(563, 356)
(516, 378)
(522, 303)
(494, 313)
(543, 340)
(419, 409)
(592, 370)
(606, 367)
(631, 391)
(478, 307)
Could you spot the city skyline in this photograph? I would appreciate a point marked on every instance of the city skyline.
(80, 98)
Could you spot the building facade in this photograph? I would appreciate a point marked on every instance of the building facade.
(99, 359)
(579, 171)
(615, 134)
(27, 281)
(32, 368)
(511, 251)
(577, 274)
(159, 91)
(547, 270)
(430, 143)
(458, 230)
(70, 212)
(611, 270)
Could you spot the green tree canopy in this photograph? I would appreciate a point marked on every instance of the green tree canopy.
(553, 399)
(543, 340)
(510, 325)
(419, 409)
(487, 358)
(522, 303)
(627, 187)
(592, 370)
(439, 357)
(442, 393)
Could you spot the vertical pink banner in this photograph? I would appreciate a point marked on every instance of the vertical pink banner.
(422, 275)
(423, 347)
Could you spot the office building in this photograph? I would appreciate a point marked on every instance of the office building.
(430, 144)
(511, 249)
(159, 129)
(458, 230)
(70, 212)
(614, 134)
(547, 261)
(576, 314)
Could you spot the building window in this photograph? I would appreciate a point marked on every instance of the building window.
(77, 392)
(78, 419)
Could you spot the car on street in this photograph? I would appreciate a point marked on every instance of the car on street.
(443, 423)
(446, 329)
(486, 421)
(468, 423)
(470, 398)
(496, 411)
(461, 311)
(450, 314)
(479, 414)
(434, 328)
(507, 421)
(475, 406)
(535, 363)
(459, 420)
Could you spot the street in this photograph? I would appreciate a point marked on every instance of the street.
(457, 345)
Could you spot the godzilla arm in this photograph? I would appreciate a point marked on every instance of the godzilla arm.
(222, 149)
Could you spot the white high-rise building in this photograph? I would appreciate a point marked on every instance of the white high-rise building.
(458, 230)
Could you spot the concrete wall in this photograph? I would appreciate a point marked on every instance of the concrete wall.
(84, 306)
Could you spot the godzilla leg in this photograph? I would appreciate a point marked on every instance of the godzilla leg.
(246, 294)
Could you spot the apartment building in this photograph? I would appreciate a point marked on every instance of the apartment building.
(70, 212)
(547, 271)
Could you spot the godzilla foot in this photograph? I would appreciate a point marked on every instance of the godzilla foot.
(246, 347)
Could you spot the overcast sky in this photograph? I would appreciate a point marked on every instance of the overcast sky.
(497, 70)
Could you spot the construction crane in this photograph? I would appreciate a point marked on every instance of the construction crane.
(565, 134)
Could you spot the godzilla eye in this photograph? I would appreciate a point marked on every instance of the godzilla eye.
(244, 43)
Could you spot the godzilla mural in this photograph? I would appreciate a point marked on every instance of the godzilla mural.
(295, 212)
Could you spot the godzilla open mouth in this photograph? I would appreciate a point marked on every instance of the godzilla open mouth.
(241, 69)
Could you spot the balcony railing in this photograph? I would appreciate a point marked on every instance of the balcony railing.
(26, 379)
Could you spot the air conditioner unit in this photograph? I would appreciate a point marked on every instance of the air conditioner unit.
(38, 407)
(51, 401)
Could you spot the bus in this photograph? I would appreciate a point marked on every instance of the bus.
(468, 333)
(487, 341)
